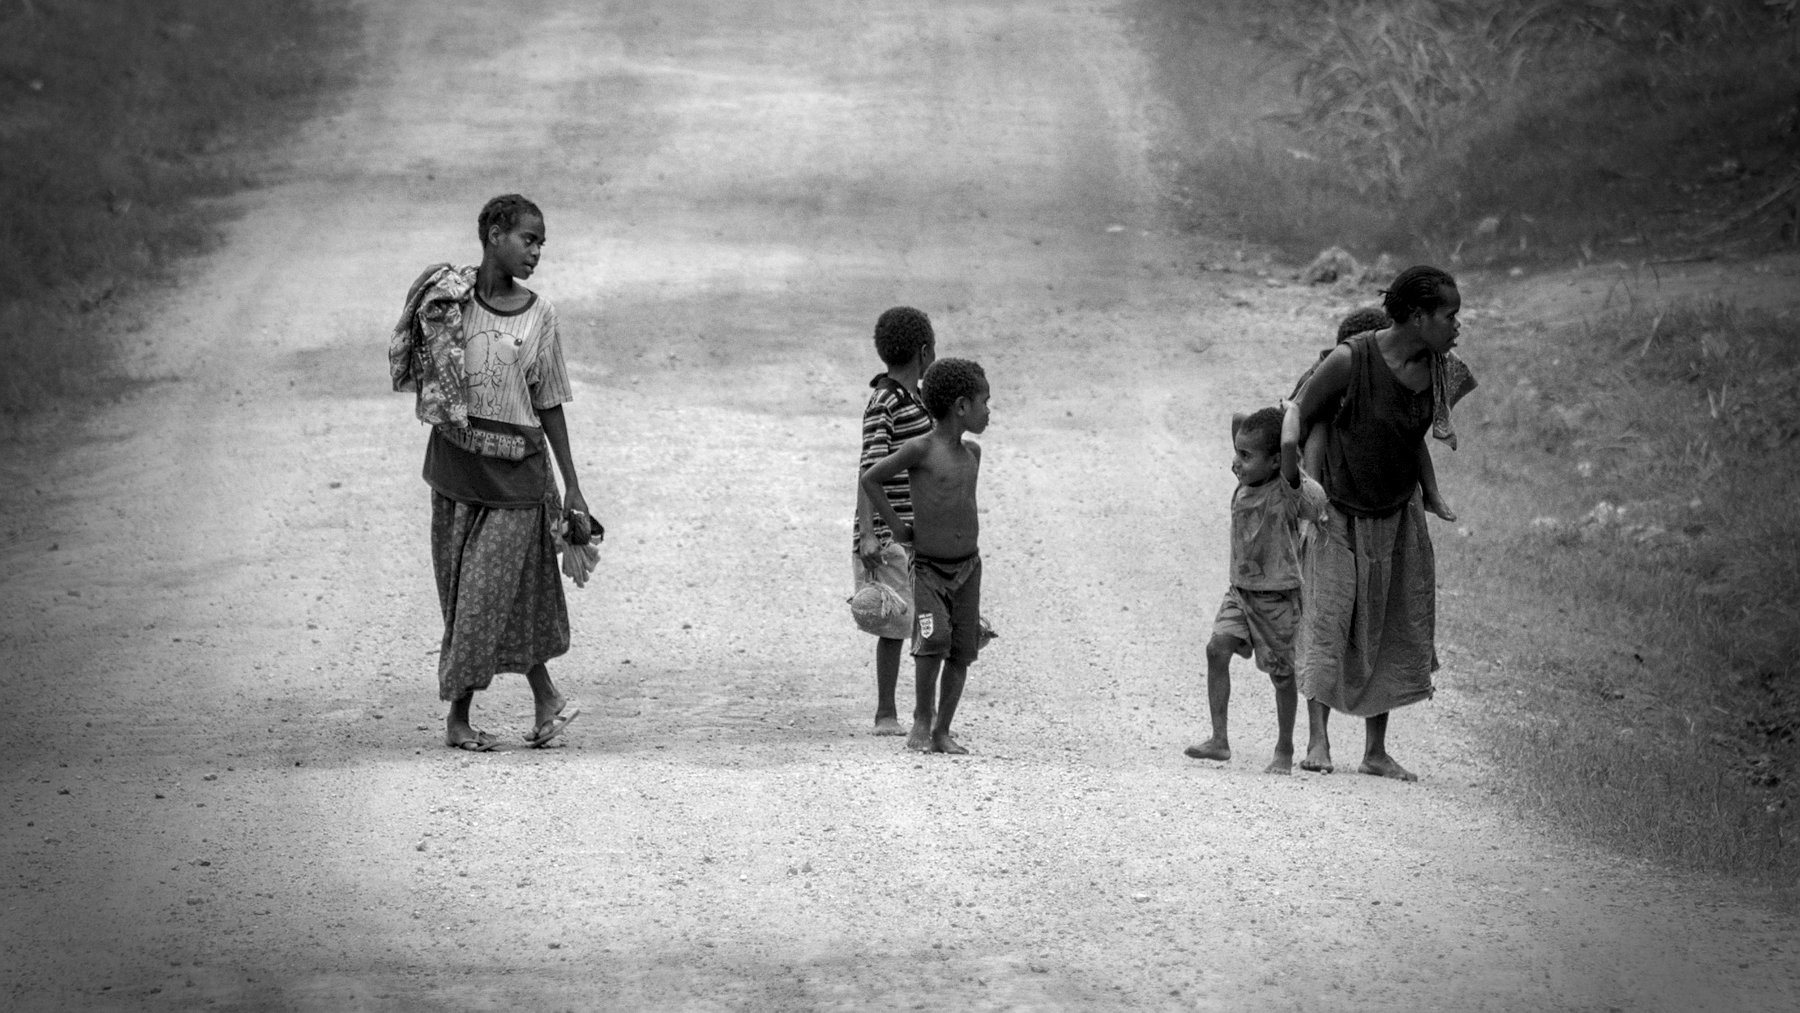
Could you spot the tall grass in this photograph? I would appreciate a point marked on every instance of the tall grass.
(1493, 131)
(1386, 87)
(1638, 475)
(116, 118)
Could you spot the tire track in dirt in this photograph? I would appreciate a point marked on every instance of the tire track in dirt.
(240, 693)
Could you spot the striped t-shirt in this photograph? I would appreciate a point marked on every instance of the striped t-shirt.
(513, 361)
(893, 416)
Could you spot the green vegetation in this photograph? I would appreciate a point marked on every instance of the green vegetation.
(1491, 131)
(117, 119)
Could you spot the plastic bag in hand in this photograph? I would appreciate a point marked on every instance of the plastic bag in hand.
(579, 562)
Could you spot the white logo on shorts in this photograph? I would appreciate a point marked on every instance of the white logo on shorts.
(925, 626)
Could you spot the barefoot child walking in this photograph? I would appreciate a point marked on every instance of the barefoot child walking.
(946, 567)
(485, 355)
(906, 344)
(1262, 604)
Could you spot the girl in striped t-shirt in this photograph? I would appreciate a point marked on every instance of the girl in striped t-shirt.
(906, 344)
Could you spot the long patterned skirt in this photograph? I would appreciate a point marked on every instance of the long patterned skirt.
(1367, 638)
(500, 590)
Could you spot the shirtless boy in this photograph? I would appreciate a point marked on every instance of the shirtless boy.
(946, 567)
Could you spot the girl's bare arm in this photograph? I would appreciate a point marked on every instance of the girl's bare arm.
(556, 430)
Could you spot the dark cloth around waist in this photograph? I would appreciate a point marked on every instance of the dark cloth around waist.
(468, 477)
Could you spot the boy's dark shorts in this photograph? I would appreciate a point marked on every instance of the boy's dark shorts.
(1263, 621)
(947, 608)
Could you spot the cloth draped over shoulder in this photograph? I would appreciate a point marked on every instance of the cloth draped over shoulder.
(425, 353)
(1451, 379)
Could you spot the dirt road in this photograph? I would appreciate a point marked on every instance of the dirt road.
(226, 784)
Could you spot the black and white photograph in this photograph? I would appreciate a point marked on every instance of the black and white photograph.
(978, 505)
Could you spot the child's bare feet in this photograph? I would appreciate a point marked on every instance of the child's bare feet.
(1383, 765)
(1283, 763)
(943, 743)
(920, 739)
(888, 724)
(1318, 758)
(1215, 748)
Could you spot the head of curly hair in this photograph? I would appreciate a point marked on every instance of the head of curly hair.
(900, 333)
(1418, 289)
(948, 379)
(1368, 318)
(1263, 426)
(504, 212)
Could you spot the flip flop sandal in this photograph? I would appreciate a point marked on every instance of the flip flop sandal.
(541, 735)
(481, 743)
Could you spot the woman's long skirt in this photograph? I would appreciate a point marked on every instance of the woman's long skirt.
(1367, 639)
(500, 591)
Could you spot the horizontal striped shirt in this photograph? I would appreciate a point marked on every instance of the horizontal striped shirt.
(893, 416)
(513, 362)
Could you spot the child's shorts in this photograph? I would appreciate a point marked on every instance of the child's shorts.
(1263, 621)
(947, 608)
(882, 600)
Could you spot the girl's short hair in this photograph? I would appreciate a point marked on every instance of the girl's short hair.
(1417, 289)
(504, 211)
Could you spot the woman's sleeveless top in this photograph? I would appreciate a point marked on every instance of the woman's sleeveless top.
(1372, 444)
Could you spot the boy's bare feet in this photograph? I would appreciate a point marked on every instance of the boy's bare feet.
(1318, 758)
(887, 724)
(920, 739)
(1283, 763)
(1383, 765)
(943, 743)
(1214, 748)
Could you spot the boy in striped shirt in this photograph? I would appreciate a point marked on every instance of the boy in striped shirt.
(894, 414)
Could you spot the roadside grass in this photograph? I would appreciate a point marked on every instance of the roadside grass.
(118, 120)
(1629, 601)
(1641, 562)
(1491, 132)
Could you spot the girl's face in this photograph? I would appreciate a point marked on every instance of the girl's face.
(517, 252)
(1439, 328)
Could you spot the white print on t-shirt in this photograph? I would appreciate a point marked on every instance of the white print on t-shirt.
(487, 360)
